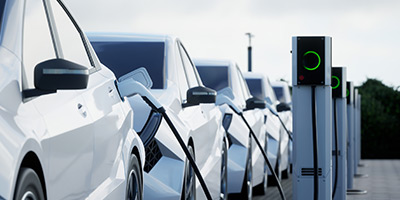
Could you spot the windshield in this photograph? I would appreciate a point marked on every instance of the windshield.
(279, 93)
(255, 87)
(124, 57)
(2, 4)
(214, 77)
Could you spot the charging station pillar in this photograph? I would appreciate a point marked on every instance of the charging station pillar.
(312, 63)
(339, 106)
(355, 140)
(359, 129)
(350, 134)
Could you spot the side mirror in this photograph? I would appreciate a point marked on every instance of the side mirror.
(58, 74)
(254, 102)
(55, 74)
(282, 107)
(200, 94)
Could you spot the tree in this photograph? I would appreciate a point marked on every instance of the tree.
(380, 120)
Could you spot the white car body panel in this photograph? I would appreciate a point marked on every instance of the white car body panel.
(199, 124)
(77, 160)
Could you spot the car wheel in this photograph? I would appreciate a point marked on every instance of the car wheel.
(278, 173)
(286, 173)
(247, 187)
(189, 182)
(261, 189)
(224, 172)
(134, 185)
(28, 185)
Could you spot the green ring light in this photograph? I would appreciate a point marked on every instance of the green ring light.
(337, 85)
(347, 92)
(319, 60)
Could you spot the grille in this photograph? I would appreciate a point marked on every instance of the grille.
(310, 171)
(153, 155)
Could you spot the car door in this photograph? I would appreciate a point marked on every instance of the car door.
(68, 142)
(109, 122)
(203, 119)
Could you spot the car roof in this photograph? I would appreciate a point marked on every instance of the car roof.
(126, 36)
(211, 62)
(253, 75)
(279, 84)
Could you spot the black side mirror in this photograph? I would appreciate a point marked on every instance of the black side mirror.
(254, 102)
(55, 74)
(282, 107)
(198, 95)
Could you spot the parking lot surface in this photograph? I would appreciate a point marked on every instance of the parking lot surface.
(382, 183)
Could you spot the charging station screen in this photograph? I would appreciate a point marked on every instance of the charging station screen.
(349, 92)
(311, 60)
(337, 82)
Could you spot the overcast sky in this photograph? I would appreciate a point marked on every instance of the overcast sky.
(365, 33)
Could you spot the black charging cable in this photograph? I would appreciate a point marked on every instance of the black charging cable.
(336, 148)
(315, 140)
(284, 126)
(182, 144)
(264, 154)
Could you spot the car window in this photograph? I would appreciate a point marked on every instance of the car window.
(191, 74)
(279, 93)
(243, 85)
(124, 57)
(72, 44)
(255, 86)
(183, 83)
(2, 4)
(270, 92)
(37, 41)
(214, 77)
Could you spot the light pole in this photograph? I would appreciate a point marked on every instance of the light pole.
(249, 50)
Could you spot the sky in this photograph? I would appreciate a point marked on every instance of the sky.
(365, 33)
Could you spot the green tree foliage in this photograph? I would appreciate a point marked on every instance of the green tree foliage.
(380, 120)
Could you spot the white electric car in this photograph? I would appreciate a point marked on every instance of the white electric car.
(64, 131)
(284, 108)
(246, 168)
(175, 80)
(278, 138)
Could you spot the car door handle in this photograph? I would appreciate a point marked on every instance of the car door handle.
(111, 92)
(82, 110)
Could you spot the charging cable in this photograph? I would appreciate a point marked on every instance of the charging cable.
(222, 99)
(315, 141)
(336, 147)
(126, 89)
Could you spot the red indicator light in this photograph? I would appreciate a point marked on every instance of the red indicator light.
(301, 77)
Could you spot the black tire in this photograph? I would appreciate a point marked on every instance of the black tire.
(189, 180)
(134, 186)
(278, 173)
(247, 187)
(285, 173)
(261, 188)
(224, 172)
(28, 186)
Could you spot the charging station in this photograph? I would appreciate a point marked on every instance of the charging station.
(312, 117)
(350, 133)
(339, 136)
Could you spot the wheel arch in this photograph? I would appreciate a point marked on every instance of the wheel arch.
(32, 161)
